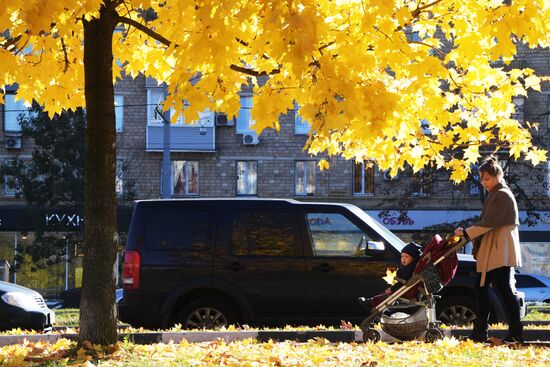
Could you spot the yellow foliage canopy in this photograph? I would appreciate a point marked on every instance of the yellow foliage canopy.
(365, 73)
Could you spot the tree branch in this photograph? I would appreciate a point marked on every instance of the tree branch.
(65, 56)
(145, 30)
(439, 52)
(251, 72)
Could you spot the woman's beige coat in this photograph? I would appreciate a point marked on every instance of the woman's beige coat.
(498, 228)
(499, 247)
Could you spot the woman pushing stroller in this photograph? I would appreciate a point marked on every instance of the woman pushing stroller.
(496, 250)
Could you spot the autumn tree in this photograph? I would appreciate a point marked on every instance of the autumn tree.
(361, 82)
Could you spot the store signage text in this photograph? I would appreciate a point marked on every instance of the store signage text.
(68, 220)
(394, 220)
(317, 221)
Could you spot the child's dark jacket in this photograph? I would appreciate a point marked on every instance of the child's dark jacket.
(404, 273)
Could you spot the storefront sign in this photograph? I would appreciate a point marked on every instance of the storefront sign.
(20, 219)
(420, 219)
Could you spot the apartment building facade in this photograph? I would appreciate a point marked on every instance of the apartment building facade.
(221, 156)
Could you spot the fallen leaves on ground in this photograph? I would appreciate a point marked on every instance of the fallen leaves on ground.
(248, 353)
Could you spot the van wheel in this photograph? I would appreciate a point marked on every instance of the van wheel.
(206, 313)
(458, 311)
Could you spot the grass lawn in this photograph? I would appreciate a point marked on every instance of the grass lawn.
(537, 313)
(319, 352)
(69, 317)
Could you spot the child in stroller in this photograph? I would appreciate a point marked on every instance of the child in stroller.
(409, 258)
(435, 269)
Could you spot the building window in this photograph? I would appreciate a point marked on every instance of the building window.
(10, 188)
(304, 178)
(247, 178)
(421, 183)
(244, 119)
(155, 97)
(363, 178)
(119, 179)
(301, 127)
(119, 112)
(185, 178)
(548, 178)
(13, 109)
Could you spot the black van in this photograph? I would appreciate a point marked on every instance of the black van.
(205, 263)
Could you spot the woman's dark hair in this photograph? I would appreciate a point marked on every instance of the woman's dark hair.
(491, 166)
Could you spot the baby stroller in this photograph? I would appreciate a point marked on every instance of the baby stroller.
(435, 269)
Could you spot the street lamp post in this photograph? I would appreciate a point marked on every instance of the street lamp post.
(166, 189)
(66, 262)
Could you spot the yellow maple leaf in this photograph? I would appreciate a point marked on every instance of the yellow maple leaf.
(323, 165)
(390, 276)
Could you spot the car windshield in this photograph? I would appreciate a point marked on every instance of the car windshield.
(383, 231)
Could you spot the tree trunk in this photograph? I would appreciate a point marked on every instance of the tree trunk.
(97, 307)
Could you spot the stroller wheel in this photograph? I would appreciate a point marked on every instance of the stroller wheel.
(371, 335)
(432, 335)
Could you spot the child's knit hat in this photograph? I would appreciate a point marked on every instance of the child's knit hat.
(412, 249)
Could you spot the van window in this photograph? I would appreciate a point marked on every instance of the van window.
(261, 232)
(332, 234)
(177, 229)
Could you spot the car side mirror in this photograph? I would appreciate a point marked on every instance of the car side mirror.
(375, 248)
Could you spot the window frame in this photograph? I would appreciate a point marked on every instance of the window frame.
(13, 108)
(119, 113)
(119, 178)
(242, 126)
(186, 171)
(364, 166)
(304, 178)
(151, 105)
(421, 176)
(301, 127)
(5, 191)
(371, 232)
(237, 175)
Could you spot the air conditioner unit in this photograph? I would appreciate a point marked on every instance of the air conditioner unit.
(222, 120)
(387, 176)
(13, 142)
(250, 138)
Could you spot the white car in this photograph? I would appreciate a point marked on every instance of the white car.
(536, 287)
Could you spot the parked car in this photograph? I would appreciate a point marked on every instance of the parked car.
(206, 263)
(71, 297)
(21, 307)
(536, 287)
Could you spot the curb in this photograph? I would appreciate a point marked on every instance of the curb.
(533, 337)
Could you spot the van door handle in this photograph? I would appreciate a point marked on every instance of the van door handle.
(235, 266)
(324, 267)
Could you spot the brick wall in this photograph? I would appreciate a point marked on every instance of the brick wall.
(277, 153)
